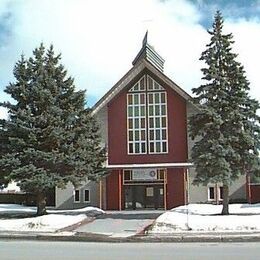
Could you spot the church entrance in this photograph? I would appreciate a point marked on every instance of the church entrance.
(144, 188)
(144, 197)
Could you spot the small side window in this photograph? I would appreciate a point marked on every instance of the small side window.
(220, 193)
(76, 196)
(211, 193)
(86, 196)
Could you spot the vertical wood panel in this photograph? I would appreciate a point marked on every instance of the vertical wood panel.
(112, 191)
(175, 188)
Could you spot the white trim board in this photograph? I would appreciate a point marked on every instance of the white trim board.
(150, 165)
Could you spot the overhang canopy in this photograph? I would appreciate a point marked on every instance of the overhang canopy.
(149, 165)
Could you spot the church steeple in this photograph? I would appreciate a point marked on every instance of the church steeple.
(147, 52)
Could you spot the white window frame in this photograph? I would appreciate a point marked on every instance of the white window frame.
(133, 117)
(88, 195)
(154, 119)
(214, 189)
(220, 199)
(137, 85)
(74, 195)
(156, 89)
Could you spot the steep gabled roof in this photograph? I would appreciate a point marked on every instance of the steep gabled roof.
(147, 58)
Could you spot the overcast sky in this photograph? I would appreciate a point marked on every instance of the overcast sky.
(99, 39)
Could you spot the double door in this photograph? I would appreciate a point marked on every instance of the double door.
(144, 196)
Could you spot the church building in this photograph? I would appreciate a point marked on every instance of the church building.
(144, 125)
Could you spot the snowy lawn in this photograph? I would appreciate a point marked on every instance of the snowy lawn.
(47, 223)
(55, 220)
(206, 217)
(9, 209)
(16, 209)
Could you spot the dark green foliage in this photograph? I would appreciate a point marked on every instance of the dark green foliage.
(50, 138)
(227, 126)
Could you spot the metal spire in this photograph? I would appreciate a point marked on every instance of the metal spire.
(147, 52)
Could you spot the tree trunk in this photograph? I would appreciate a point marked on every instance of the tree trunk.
(225, 209)
(41, 204)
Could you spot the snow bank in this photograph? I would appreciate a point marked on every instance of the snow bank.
(47, 223)
(55, 220)
(15, 208)
(205, 217)
(81, 210)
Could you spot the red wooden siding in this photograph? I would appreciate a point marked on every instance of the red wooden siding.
(112, 190)
(175, 188)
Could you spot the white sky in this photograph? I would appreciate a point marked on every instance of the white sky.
(99, 39)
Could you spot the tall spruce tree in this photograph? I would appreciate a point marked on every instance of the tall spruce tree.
(50, 138)
(227, 125)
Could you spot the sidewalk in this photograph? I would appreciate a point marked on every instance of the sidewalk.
(128, 226)
(120, 223)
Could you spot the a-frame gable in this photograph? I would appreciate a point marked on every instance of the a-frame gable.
(133, 73)
(147, 59)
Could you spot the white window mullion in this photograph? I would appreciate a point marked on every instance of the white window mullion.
(158, 141)
(139, 102)
(147, 103)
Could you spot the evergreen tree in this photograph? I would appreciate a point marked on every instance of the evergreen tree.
(50, 138)
(227, 125)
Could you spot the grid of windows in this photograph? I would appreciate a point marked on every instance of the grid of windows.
(136, 123)
(157, 125)
(139, 86)
(147, 117)
(153, 85)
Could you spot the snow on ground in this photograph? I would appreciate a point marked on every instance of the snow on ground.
(82, 210)
(15, 208)
(55, 220)
(205, 217)
(47, 223)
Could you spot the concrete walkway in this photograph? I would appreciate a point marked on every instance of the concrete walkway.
(120, 223)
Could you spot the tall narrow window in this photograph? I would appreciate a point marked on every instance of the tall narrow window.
(147, 117)
(211, 193)
(157, 118)
(220, 193)
(86, 196)
(136, 123)
(76, 196)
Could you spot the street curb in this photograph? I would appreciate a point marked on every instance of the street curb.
(178, 238)
(200, 238)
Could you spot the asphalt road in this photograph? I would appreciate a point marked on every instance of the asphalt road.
(13, 249)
